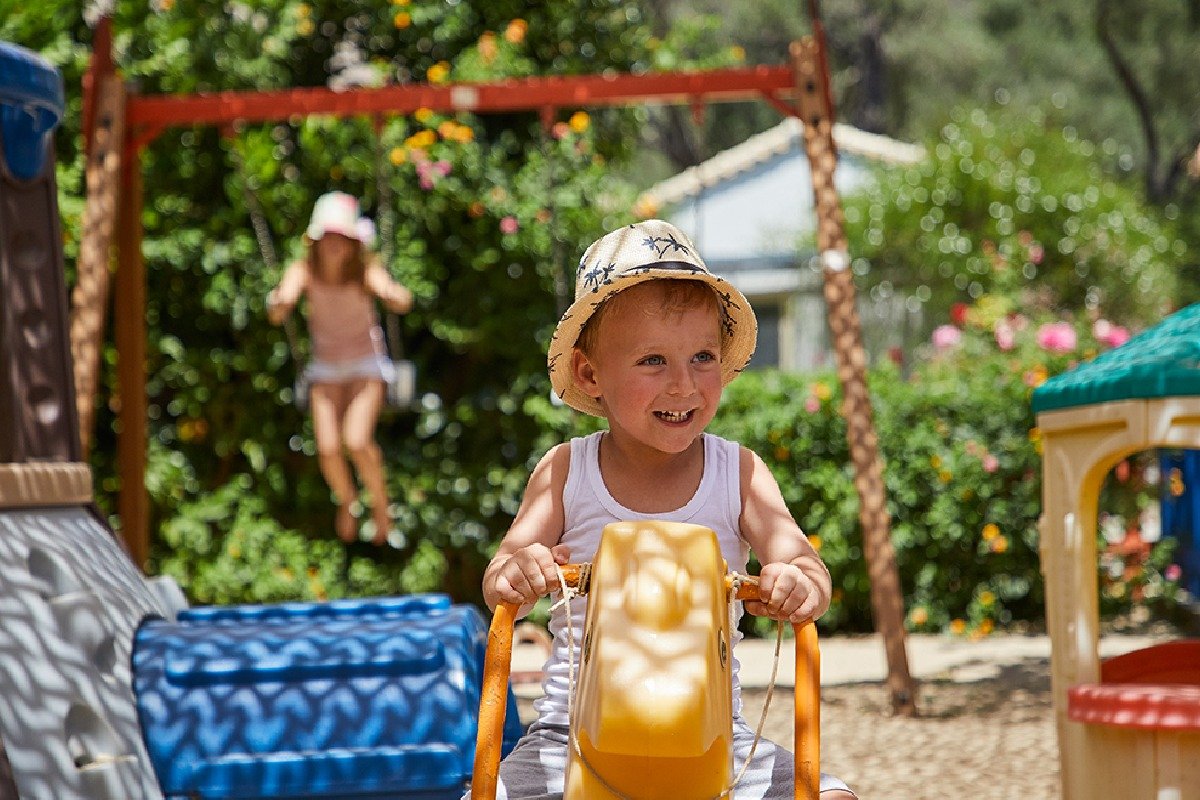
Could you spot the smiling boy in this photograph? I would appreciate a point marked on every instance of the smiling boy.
(649, 343)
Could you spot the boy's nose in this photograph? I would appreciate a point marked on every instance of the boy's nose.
(682, 381)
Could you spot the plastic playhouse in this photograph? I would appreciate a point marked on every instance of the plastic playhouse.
(1128, 728)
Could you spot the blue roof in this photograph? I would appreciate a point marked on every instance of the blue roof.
(1162, 361)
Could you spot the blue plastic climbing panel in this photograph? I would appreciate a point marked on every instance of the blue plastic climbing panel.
(352, 699)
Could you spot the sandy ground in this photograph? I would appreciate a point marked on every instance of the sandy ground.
(986, 739)
(991, 739)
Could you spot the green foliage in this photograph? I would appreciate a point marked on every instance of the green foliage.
(962, 469)
(1013, 206)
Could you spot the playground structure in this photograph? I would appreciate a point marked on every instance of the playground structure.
(1128, 728)
(80, 631)
(119, 123)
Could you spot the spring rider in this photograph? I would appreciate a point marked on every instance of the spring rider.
(651, 712)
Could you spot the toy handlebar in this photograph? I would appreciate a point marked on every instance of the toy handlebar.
(498, 663)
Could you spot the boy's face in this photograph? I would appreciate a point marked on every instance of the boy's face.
(657, 375)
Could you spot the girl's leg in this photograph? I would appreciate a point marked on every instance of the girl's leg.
(327, 401)
(358, 427)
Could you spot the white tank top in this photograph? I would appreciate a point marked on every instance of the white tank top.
(588, 507)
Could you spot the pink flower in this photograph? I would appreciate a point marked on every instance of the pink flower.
(1056, 337)
(442, 167)
(1109, 334)
(945, 337)
(990, 463)
(1173, 572)
(1036, 253)
(812, 405)
(509, 224)
(425, 182)
(1006, 337)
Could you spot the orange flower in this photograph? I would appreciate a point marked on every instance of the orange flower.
(488, 49)
(476, 209)
(919, 615)
(815, 541)
(822, 391)
(958, 626)
(645, 207)
(423, 115)
(990, 531)
(1000, 544)
(398, 155)
(515, 32)
(402, 19)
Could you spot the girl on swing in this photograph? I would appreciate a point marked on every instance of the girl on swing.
(349, 369)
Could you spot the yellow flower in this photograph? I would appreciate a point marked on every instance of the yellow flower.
(815, 541)
(822, 391)
(990, 531)
(781, 453)
(986, 598)
(402, 19)
(515, 32)
(579, 121)
(423, 115)
(935, 461)
(919, 615)
(447, 129)
(398, 156)
(401, 2)
(738, 52)
(945, 475)
(305, 27)
(438, 73)
(958, 626)
(1000, 544)
(303, 10)
(986, 627)
(464, 134)
(1035, 434)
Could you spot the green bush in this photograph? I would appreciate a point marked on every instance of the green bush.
(962, 468)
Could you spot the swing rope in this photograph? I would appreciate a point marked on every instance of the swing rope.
(387, 233)
(569, 593)
(262, 235)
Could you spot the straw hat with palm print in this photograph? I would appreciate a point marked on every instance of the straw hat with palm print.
(644, 251)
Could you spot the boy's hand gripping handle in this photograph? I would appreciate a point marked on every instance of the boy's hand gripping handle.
(808, 698)
(493, 699)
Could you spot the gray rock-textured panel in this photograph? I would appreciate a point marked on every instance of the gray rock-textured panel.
(70, 601)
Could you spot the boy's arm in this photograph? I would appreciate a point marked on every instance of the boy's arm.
(283, 298)
(394, 295)
(523, 568)
(794, 583)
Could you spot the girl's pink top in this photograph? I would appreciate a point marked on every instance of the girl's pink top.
(342, 322)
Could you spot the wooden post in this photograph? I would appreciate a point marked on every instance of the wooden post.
(90, 296)
(129, 312)
(815, 108)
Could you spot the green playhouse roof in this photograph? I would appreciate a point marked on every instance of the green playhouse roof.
(1163, 361)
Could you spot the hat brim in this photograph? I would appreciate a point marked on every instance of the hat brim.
(739, 333)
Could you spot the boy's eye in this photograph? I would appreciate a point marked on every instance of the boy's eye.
(705, 357)
(653, 361)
